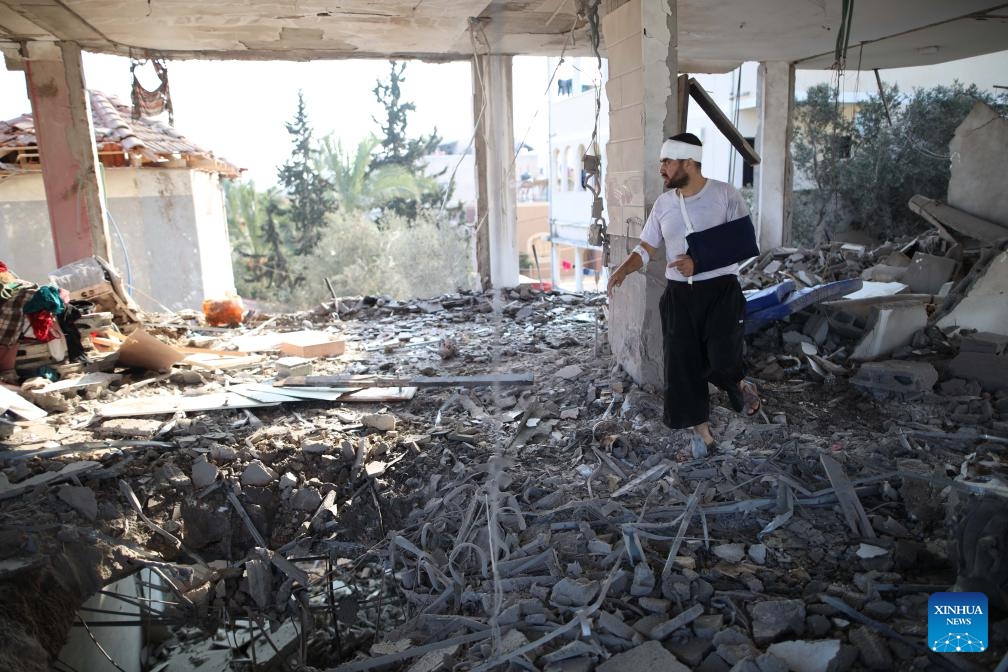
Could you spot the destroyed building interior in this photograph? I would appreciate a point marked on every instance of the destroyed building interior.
(482, 480)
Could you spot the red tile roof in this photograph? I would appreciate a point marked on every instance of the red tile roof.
(121, 141)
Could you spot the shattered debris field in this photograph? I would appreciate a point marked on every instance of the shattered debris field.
(473, 483)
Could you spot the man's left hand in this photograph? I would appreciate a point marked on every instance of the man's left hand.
(684, 264)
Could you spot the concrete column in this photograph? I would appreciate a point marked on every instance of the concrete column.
(641, 39)
(61, 110)
(497, 206)
(774, 107)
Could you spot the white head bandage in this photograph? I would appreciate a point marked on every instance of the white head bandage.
(676, 149)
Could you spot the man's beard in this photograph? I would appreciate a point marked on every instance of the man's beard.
(677, 183)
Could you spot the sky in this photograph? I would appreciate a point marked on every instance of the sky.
(237, 109)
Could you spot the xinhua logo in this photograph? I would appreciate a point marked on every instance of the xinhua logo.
(957, 622)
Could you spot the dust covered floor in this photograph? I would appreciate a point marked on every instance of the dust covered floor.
(551, 526)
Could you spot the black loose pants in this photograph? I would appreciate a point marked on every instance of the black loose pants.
(703, 334)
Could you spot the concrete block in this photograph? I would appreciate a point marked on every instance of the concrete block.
(648, 656)
(622, 23)
(905, 380)
(883, 273)
(774, 618)
(624, 124)
(890, 326)
(927, 273)
(625, 56)
(991, 371)
(985, 342)
(983, 307)
(633, 86)
(804, 656)
(293, 366)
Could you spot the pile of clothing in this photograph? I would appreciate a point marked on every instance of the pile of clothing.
(47, 309)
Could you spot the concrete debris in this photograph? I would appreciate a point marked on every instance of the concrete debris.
(648, 656)
(499, 519)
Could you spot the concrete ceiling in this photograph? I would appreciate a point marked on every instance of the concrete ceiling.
(714, 35)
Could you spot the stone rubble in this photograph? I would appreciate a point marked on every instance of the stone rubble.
(557, 526)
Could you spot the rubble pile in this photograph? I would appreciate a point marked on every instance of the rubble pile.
(470, 482)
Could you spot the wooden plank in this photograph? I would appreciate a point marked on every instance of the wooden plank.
(221, 361)
(682, 103)
(503, 379)
(722, 122)
(379, 394)
(167, 405)
(853, 510)
(95, 378)
(73, 469)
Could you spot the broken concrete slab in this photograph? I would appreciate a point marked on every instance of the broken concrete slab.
(80, 499)
(890, 326)
(807, 656)
(977, 153)
(984, 342)
(648, 656)
(983, 307)
(945, 216)
(991, 371)
(927, 273)
(203, 473)
(257, 473)
(774, 618)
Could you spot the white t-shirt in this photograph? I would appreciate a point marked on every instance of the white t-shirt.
(716, 203)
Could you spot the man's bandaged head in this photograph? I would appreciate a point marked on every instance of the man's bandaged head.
(677, 149)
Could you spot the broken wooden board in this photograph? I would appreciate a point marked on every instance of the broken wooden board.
(853, 510)
(312, 344)
(376, 394)
(503, 379)
(297, 393)
(219, 359)
(8, 490)
(170, 404)
(18, 405)
(87, 380)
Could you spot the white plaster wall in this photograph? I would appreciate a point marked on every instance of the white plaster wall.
(212, 234)
(167, 230)
(25, 237)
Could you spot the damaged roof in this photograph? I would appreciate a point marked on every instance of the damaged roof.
(121, 141)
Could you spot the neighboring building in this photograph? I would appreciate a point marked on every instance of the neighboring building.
(167, 222)
(572, 122)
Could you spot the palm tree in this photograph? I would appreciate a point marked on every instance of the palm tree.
(360, 188)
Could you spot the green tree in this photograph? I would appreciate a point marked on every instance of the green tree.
(309, 193)
(820, 139)
(259, 235)
(356, 185)
(898, 147)
(397, 149)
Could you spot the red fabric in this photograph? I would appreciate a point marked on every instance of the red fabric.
(3, 267)
(42, 324)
